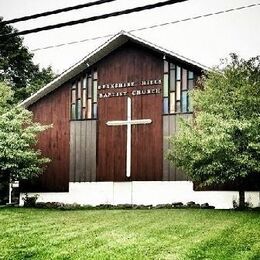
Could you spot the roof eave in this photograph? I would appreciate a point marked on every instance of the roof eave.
(93, 57)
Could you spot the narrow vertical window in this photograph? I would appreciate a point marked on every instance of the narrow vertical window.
(78, 104)
(165, 85)
(184, 79)
(166, 66)
(166, 88)
(172, 104)
(89, 86)
(73, 111)
(73, 102)
(84, 97)
(172, 80)
(165, 105)
(181, 81)
(184, 101)
(73, 96)
(191, 83)
(95, 110)
(178, 73)
(94, 95)
(178, 90)
(89, 115)
(94, 91)
(172, 88)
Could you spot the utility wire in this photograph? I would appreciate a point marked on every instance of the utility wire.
(150, 27)
(57, 11)
(94, 18)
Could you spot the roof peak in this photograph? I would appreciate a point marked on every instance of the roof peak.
(110, 45)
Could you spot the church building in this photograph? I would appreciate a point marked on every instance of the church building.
(112, 114)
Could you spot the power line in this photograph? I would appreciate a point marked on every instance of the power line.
(57, 11)
(94, 18)
(197, 17)
(151, 26)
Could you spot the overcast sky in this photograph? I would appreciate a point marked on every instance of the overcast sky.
(205, 40)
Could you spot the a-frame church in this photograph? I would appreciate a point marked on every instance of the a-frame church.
(112, 114)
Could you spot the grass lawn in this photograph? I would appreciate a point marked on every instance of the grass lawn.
(129, 234)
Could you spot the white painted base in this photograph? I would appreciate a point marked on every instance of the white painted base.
(149, 192)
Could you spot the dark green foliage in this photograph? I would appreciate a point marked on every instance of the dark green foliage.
(17, 68)
(18, 138)
(30, 201)
(222, 142)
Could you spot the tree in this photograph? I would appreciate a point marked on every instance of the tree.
(17, 68)
(221, 143)
(18, 136)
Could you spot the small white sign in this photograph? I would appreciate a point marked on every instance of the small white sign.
(15, 184)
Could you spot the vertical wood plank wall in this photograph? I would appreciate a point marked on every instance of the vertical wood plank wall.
(171, 126)
(83, 151)
(130, 63)
(54, 142)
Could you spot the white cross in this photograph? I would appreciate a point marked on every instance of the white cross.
(129, 122)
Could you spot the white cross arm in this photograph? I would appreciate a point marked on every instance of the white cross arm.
(141, 121)
(115, 123)
(131, 122)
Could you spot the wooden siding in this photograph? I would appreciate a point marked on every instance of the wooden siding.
(171, 126)
(54, 143)
(126, 64)
(83, 151)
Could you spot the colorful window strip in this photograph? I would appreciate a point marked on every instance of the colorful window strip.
(84, 97)
(177, 82)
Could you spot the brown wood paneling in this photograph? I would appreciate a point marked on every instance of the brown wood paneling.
(92, 157)
(130, 63)
(111, 140)
(54, 143)
(83, 151)
(170, 127)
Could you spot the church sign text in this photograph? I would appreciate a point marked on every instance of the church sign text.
(127, 92)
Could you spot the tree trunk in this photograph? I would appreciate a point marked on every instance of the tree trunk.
(242, 203)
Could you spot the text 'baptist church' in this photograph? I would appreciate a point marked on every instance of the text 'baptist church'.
(136, 92)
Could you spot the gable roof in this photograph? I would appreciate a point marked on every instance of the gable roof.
(96, 55)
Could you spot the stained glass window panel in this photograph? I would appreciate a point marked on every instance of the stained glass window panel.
(191, 83)
(165, 105)
(89, 87)
(178, 90)
(95, 110)
(95, 91)
(78, 109)
(178, 106)
(178, 73)
(172, 80)
(184, 101)
(73, 111)
(190, 75)
(84, 82)
(165, 85)
(73, 96)
(79, 89)
(89, 115)
(95, 75)
(166, 66)
(172, 102)
(83, 113)
(172, 66)
(84, 97)
(184, 79)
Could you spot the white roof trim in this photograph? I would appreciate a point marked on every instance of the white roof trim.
(110, 45)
